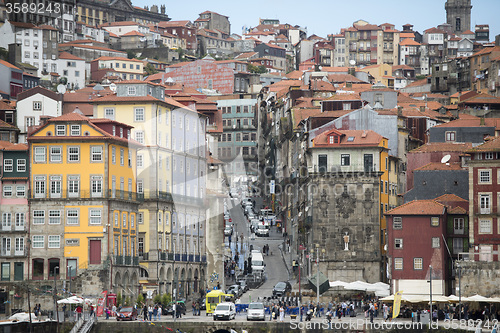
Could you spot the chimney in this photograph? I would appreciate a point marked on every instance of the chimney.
(400, 111)
(422, 108)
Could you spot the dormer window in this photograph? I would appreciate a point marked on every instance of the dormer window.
(131, 91)
(331, 139)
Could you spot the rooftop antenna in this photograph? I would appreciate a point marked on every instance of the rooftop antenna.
(446, 159)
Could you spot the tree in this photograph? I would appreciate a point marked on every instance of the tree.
(157, 299)
(166, 298)
(119, 299)
(4, 54)
(140, 301)
(257, 69)
(130, 54)
(180, 52)
(150, 69)
(127, 300)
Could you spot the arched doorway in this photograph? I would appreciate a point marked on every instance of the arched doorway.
(182, 283)
(161, 281)
(117, 286)
(189, 282)
(195, 283)
(135, 285)
(169, 281)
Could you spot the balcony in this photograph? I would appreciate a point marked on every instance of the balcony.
(485, 210)
(126, 260)
(13, 253)
(163, 256)
(197, 258)
(158, 195)
(184, 257)
(13, 228)
(109, 194)
(170, 256)
(191, 257)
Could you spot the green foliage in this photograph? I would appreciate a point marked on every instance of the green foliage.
(420, 77)
(119, 299)
(4, 54)
(130, 54)
(180, 52)
(165, 299)
(63, 80)
(150, 69)
(127, 300)
(157, 299)
(257, 69)
(139, 301)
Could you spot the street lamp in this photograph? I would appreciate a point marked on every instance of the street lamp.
(430, 290)
(317, 275)
(459, 269)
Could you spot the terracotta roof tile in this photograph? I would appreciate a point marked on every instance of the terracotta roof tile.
(69, 56)
(472, 122)
(436, 166)
(442, 147)
(488, 146)
(419, 207)
(450, 197)
(133, 33)
(457, 210)
(8, 64)
(9, 146)
(361, 138)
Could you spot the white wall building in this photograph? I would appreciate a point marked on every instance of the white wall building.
(72, 68)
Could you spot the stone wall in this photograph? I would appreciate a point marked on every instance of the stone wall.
(479, 277)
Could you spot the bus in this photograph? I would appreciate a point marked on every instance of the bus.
(215, 297)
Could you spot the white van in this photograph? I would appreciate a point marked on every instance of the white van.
(258, 262)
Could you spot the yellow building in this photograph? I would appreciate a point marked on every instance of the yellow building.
(381, 73)
(83, 204)
(171, 174)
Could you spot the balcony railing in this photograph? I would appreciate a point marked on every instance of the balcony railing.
(13, 228)
(109, 194)
(13, 253)
(163, 256)
(157, 195)
(126, 260)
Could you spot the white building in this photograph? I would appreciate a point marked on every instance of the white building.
(121, 28)
(33, 104)
(72, 68)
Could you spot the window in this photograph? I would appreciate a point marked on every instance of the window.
(96, 185)
(397, 223)
(436, 242)
(345, 159)
(113, 155)
(139, 136)
(55, 186)
(458, 226)
(61, 130)
(485, 226)
(73, 186)
(140, 162)
(122, 157)
(96, 154)
(54, 217)
(484, 176)
(95, 216)
(484, 203)
(140, 218)
(72, 217)
(398, 263)
(55, 154)
(38, 217)
(20, 191)
(132, 221)
(73, 154)
(139, 114)
(450, 136)
(7, 191)
(418, 263)
(488, 156)
(54, 241)
(398, 243)
(434, 221)
(131, 91)
(37, 106)
(6, 220)
(322, 163)
(40, 155)
(140, 186)
(8, 165)
(129, 158)
(75, 130)
(38, 242)
(109, 113)
(124, 220)
(39, 186)
(21, 165)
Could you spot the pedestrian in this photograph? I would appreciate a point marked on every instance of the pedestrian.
(194, 308)
(150, 312)
(91, 310)
(160, 309)
(145, 312)
(385, 310)
(174, 315)
(282, 313)
(113, 310)
(371, 312)
(155, 312)
(79, 311)
(301, 312)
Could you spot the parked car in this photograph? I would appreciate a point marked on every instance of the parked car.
(169, 310)
(127, 313)
(281, 288)
(225, 310)
(256, 311)
(243, 285)
(203, 306)
(234, 290)
(262, 231)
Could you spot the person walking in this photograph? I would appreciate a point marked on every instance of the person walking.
(155, 312)
(282, 314)
(145, 312)
(174, 314)
(160, 309)
(150, 312)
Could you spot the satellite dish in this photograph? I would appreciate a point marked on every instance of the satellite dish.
(98, 87)
(446, 158)
(352, 62)
(61, 88)
(112, 87)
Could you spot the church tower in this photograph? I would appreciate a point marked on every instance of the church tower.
(458, 14)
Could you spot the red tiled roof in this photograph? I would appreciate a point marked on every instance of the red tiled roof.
(488, 146)
(8, 64)
(457, 210)
(120, 24)
(472, 122)
(409, 42)
(450, 197)
(434, 166)
(468, 32)
(442, 147)
(117, 58)
(434, 31)
(361, 138)
(69, 56)
(133, 33)
(418, 207)
(6, 106)
(9, 146)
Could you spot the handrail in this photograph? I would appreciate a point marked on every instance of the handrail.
(88, 324)
(77, 326)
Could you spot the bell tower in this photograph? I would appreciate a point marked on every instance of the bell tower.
(458, 14)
